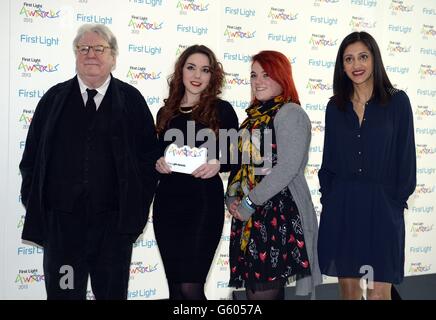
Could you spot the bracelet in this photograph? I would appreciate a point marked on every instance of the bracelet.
(248, 203)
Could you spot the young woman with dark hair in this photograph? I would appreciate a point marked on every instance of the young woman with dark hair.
(367, 174)
(188, 211)
(274, 227)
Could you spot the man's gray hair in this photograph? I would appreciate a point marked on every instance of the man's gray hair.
(102, 31)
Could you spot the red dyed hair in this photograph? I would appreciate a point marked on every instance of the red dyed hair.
(278, 67)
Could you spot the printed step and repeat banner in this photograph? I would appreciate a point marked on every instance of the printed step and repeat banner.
(151, 35)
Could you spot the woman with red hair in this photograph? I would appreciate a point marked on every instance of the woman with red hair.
(274, 227)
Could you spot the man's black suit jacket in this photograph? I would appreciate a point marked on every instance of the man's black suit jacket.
(134, 146)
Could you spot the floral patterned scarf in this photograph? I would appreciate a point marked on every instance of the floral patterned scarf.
(260, 117)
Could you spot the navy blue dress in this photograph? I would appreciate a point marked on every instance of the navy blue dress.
(367, 174)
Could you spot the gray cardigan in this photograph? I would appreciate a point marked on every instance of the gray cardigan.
(293, 133)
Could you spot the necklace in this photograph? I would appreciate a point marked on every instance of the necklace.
(187, 109)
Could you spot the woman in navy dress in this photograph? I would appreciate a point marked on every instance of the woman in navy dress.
(367, 174)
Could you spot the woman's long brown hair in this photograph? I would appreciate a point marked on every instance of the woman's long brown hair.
(205, 113)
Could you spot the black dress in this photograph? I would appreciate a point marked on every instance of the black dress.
(188, 212)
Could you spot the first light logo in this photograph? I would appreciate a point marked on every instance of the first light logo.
(317, 85)
(360, 23)
(428, 32)
(29, 66)
(237, 56)
(395, 47)
(423, 150)
(180, 49)
(137, 268)
(429, 11)
(235, 80)
(426, 171)
(236, 32)
(398, 6)
(32, 11)
(315, 149)
(419, 267)
(277, 15)
(426, 71)
(419, 228)
(137, 23)
(142, 293)
(240, 104)
(422, 209)
(317, 127)
(321, 41)
(26, 118)
(185, 6)
(311, 170)
(424, 112)
(145, 243)
(26, 278)
(223, 262)
(247, 13)
(136, 74)
(422, 189)
(315, 107)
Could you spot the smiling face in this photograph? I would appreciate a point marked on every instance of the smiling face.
(358, 64)
(94, 68)
(196, 76)
(263, 86)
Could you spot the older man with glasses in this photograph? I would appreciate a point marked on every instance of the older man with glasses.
(88, 174)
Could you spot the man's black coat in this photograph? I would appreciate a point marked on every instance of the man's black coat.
(134, 147)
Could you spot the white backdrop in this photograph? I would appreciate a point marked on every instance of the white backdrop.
(37, 53)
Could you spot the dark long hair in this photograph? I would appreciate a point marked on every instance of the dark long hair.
(278, 67)
(206, 112)
(343, 86)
